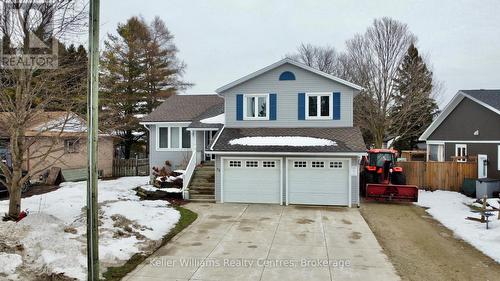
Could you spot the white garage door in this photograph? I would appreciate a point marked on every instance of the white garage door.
(318, 181)
(252, 180)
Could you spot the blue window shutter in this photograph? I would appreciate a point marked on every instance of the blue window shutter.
(302, 106)
(272, 106)
(336, 106)
(239, 107)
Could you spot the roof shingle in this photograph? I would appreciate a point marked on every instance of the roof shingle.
(348, 139)
(182, 108)
(211, 112)
(489, 97)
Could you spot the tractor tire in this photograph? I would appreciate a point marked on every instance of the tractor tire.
(372, 178)
(362, 184)
(399, 178)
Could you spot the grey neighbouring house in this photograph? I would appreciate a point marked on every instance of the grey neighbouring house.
(282, 135)
(468, 126)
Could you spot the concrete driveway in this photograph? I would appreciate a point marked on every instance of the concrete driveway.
(269, 242)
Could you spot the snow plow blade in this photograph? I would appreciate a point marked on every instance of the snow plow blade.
(392, 192)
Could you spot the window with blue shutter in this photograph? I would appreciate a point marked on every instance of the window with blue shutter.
(272, 106)
(336, 106)
(302, 106)
(239, 107)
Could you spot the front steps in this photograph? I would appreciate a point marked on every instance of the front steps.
(202, 185)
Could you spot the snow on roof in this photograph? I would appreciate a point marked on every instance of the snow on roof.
(219, 119)
(282, 141)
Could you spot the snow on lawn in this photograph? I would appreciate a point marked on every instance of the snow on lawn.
(219, 119)
(450, 208)
(53, 234)
(282, 141)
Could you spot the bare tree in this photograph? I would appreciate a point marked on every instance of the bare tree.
(324, 58)
(372, 61)
(30, 31)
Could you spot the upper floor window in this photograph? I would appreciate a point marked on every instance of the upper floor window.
(256, 107)
(319, 106)
(173, 138)
(287, 75)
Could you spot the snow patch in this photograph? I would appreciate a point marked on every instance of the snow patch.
(9, 263)
(451, 209)
(282, 141)
(54, 233)
(219, 119)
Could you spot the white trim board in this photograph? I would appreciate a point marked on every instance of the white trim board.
(280, 63)
(173, 124)
(305, 154)
(461, 141)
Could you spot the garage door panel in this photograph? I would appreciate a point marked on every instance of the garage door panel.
(318, 181)
(258, 181)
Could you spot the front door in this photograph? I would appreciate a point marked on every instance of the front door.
(482, 166)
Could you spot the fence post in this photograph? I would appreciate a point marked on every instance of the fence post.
(136, 165)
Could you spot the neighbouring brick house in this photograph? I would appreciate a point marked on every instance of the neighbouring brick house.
(65, 135)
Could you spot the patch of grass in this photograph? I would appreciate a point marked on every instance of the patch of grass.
(118, 272)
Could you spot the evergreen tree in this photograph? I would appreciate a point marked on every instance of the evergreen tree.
(139, 68)
(414, 107)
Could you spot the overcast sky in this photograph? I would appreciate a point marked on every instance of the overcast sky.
(223, 40)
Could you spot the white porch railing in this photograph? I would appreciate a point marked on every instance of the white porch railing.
(188, 175)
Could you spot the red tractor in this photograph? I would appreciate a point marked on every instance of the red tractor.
(381, 179)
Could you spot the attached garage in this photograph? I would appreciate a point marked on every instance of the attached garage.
(318, 181)
(251, 180)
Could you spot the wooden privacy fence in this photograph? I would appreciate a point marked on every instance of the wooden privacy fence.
(438, 175)
(130, 167)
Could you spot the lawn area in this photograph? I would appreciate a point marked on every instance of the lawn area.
(52, 239)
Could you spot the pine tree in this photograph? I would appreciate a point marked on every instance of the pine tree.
(414, 107)
(139, 68)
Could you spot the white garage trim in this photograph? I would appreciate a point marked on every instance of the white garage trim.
(222, 160)
(349, 161)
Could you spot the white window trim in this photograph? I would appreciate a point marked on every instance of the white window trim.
(440, 151)
(318, 106)
(158, 148)
(460, 145)
(245, 97)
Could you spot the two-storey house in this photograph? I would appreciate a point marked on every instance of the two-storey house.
(283, 135)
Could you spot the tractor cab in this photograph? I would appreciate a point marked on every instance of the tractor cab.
(382, 179)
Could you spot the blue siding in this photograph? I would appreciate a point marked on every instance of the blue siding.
(272, 106)
(239, 107)
(336, 106)
(302, 106)
(287, 75)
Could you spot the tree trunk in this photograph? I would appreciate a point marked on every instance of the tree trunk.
(15, 196)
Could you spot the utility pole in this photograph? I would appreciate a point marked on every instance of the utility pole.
(92, 132)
